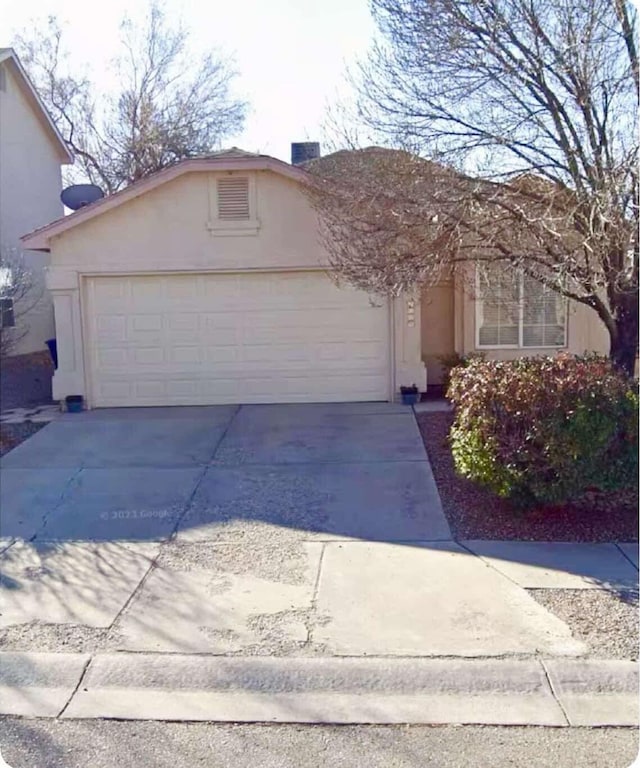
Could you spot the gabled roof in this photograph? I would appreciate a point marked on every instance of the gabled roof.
(227, 160)
(9, 58)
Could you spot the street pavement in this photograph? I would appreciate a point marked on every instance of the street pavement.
(104, 744)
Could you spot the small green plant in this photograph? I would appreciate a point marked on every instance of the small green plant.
(545, 430)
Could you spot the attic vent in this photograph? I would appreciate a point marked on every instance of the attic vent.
(233, 198)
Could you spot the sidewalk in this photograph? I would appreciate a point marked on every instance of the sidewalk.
(436, 633)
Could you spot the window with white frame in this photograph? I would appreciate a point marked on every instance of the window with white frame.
(7, 315)
(515, 310)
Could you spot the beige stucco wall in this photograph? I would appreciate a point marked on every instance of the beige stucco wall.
(167, 229)
(171, 228)
(30, 185)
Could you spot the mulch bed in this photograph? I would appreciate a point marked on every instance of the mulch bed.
(474, 512)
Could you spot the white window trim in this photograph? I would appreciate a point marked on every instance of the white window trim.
(519, 345)
(11, 310)
(228, 227)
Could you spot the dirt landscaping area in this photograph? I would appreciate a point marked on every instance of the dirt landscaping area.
(25, 381)
(476, 513)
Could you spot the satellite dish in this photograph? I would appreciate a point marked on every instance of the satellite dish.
(80, 195)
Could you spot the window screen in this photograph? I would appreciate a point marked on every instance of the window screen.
(499, 308)
(515, 310)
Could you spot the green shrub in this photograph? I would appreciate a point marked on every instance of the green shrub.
(545, 430)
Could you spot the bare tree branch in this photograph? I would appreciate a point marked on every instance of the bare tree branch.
(528, 111)
(170, 105)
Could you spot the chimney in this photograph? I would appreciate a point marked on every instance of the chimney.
(302, 151)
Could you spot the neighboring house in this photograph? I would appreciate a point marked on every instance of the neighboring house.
(207, 283)
(32, 152)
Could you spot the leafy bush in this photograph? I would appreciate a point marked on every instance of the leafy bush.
(454, 360)
(545, 430)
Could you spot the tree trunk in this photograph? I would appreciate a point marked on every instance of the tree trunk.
(624, 341)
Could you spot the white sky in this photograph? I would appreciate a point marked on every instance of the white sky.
(290, 54)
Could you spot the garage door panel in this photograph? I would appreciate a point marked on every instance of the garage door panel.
(205, 339)
(183, 355)
(148, 356)
(181, 288)
(110, 329)
(145, 323)
(182, 388)
(221, 354)
(147, 293)
(115, 357)
(182, 322)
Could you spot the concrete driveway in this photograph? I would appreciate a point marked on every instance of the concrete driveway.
(351, 471)
(311, 534)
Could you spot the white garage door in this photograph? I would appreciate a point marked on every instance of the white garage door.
(206, 339)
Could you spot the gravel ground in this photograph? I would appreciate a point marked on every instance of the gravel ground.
(56, 638)
(105, 743)
(475, 513)
(13, 434)
(25, 380)
(606, 622)
(254, 557)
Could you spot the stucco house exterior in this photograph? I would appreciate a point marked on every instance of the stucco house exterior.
(457, 319)
(206, 283)
(32, 152)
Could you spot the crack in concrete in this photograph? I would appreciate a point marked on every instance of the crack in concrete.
(58, 503)
(224, 433)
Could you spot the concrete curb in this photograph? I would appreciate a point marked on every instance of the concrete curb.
(39, 684)
(596, 692)
(320, 690)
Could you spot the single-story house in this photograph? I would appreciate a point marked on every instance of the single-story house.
(207, 283)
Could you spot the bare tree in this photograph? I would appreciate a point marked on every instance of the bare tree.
(168, 107)
(529, 109)
(19, 294)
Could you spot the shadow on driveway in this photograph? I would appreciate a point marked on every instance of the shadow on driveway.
(257, 478)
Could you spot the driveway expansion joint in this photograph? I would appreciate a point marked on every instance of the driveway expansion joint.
(312, 614)
(77, 688)
(624, 554)
(134, 592)
(553, 690)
